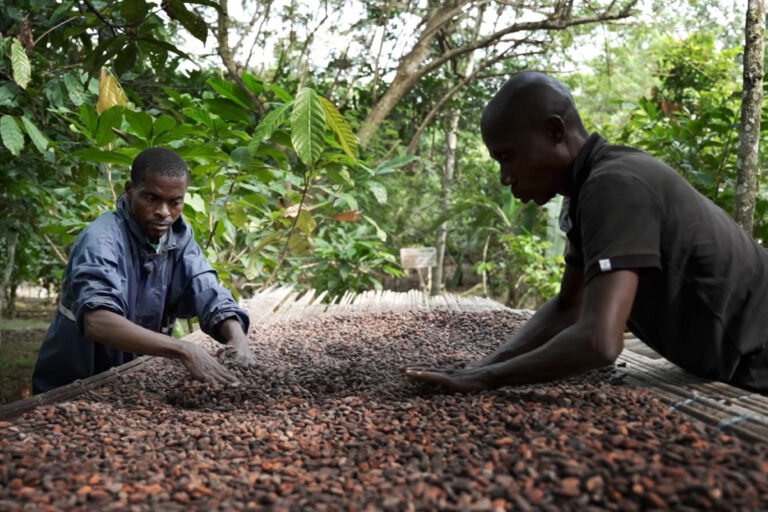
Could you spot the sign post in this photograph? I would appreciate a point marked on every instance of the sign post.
(419, 258)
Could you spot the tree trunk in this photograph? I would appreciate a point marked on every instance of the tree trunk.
(751, 102)
(413, 67)
(11, 240)
(446, 181)
(228, 56)
(408, 68)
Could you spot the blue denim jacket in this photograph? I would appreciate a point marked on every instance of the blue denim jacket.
(112, 265)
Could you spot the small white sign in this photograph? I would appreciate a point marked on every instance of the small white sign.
(421, 257)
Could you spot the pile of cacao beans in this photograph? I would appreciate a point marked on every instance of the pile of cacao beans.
(327, 421)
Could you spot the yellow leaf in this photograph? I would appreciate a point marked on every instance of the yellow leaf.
(110, 92)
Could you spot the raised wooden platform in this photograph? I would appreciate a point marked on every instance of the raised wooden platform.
(726, 407)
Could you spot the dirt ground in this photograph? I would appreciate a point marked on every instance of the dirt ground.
(20, 340)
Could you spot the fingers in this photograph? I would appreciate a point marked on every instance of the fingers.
(424, 375)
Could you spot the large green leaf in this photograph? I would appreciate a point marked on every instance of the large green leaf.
(11, 134)
(267, 126)
(134, 10)
(38, 139)
(140, 122)
(90, 118)
(103, 157)
(188, 19)
(340, 127)
(230, 91)
(307, 126)
(22, 72)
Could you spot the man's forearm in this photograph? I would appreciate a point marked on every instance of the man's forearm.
(112, 329)
(547, 322)
(571, 352)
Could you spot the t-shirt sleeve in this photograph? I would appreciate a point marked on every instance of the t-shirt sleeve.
(620, 225)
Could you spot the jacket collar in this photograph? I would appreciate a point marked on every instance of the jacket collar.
(176, 236)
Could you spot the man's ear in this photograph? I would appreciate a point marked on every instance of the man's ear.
(555, 127)
(128, 187)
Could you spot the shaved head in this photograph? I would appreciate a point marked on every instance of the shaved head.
(526, 100)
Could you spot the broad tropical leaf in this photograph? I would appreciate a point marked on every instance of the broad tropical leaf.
(188, 19)
(307, 126)
(22, 72)
(231, 92)
(103, 157)
(38, 139)
(11, 134)
(340, 127)
(267, 126)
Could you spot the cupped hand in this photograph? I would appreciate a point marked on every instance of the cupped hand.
(204, 367)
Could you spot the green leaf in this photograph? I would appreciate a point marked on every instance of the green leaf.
(254, 84)
(379, 232)
(340, 127)
(298, 243)
(196, 202)
(90, 119)
(340, 177)
(13, 138)
(307, 126)
(133, 10)
(140, 122)
(126, 58)
(195, 24)
(110, 118)
(229, 110)
(305, 222)
(162, 124)
(38, 139)
(22, 72)
(280, 92)
(74, 89)
(390, 165)
(267, 126)
(379, 191)
(103, 157)
(231, 92)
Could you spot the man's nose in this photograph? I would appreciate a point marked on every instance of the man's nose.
(163, 210)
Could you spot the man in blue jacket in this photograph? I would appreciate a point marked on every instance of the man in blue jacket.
(131, 274)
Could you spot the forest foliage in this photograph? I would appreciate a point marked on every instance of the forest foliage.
(316, 171)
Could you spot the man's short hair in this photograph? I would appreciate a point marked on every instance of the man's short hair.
(158, 160)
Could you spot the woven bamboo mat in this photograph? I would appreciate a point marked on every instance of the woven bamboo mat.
(726, 407)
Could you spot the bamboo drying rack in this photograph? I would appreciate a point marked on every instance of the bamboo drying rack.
(726, 407)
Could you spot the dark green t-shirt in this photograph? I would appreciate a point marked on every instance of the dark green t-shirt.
(702, 297)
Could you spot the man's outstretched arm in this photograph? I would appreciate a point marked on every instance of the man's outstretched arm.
(111, 329)
(555, 315)
(593, 341)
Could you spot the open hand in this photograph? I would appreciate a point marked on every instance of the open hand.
(461, 380)
(204, 367)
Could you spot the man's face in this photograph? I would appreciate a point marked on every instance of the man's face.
(534, 164)
(156, 203)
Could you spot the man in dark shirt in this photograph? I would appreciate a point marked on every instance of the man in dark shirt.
(646, 251)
